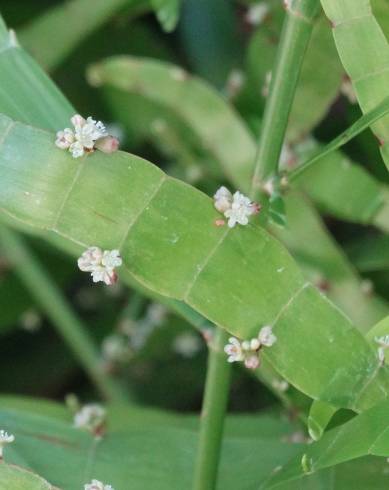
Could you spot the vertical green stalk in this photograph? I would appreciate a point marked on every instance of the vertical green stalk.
(295, 36)
(52, 302)
(213, 412)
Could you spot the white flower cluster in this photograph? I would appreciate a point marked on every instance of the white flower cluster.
(100, 264)
(82, 139)
(5, 439)
(97, 485)
(248, 350)
(91, 417)
(383, 343)
(237, 208)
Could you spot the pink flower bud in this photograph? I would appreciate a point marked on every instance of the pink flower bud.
(108, 144)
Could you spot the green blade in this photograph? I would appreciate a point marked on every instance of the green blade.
(364, 52)
(52, 36)
(365, 121)
(52, 445)
(26, 93)
(366, 434)
(165, 231)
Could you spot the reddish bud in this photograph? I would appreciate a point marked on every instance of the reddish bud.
(108, 144)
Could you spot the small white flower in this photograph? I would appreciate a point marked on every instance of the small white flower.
(89, 131)
(100, 264)
(257, 13)
(5, 439)
(77, 149)
(234, 350)
(236, 207)
(266, 336)
(64, 139)
(84, 137)
(97, 485)
(240, 210)
(223, 199)
(187, 344)
(90, 417)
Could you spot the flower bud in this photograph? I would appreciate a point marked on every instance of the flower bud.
(108, 144)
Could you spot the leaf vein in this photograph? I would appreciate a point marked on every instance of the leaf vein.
(142, 210)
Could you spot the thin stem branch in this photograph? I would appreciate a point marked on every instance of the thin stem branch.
(354, 130)
(52, 302)
(213, 413)
(295, 37)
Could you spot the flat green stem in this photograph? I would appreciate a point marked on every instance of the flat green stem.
(52, 302)
(213, 413)
(294, 40)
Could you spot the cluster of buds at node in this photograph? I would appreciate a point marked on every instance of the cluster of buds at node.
(97, 485)
(87, 135)
(5, 439)
(91, 417)
(100, 264)
(237, 208)
(383, 343)
(247, 351)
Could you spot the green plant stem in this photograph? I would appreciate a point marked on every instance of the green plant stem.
(295, 36)
(52, 302)
(213, 413)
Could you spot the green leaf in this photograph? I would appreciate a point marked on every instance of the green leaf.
(14, 478)
(133, 446)
(22, 76)
(366, 434)
(166, 233)
(345, 190)
(325, 265)
(52, 36)
(167, 12)
(360, 474)
(364, 52)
